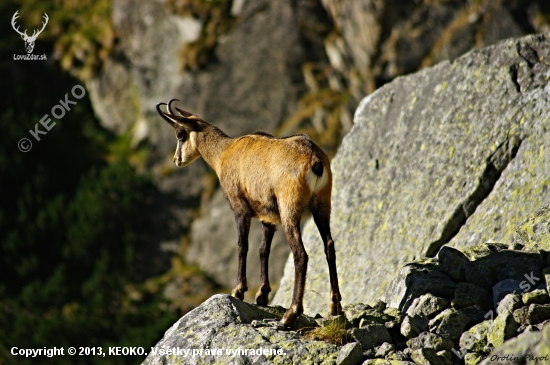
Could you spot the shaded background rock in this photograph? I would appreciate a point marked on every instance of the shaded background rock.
(376, 41)
(454, 154)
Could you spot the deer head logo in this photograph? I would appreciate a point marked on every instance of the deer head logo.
(29, 41)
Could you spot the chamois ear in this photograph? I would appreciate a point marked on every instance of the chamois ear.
(183, 113)
(190, 123)
(185, 119)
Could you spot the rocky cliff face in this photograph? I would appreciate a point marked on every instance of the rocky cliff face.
(453, 155)
(486, 304)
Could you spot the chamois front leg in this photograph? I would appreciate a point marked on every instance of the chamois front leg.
(242, 217)
(292, 232)
(265, 288)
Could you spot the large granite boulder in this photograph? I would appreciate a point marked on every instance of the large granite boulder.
(220, 331)
(455, 154)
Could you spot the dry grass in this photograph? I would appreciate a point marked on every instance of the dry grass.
(333, 331)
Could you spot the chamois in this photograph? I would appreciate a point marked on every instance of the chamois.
(276, 180)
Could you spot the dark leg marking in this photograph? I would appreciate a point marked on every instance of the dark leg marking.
(265, 247)
(242, 217)
(322, 222)
(292, 232)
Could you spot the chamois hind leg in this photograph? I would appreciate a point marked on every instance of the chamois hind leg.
(242, 217)
(265, 288)
(321, 216)
(292, 232)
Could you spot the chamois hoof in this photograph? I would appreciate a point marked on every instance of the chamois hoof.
(238, 293)
(290, 317)
(335, 308)
(262, 298)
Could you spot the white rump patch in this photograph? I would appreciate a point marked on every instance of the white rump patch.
(315, 182)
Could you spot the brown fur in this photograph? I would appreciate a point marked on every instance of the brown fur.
(278, 181)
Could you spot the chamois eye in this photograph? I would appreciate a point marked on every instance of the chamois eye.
(181, 134)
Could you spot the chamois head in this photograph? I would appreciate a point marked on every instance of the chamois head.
(185, 127)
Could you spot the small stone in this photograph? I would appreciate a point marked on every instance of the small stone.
(521, 316)
(426, 357)
(483, 250)
(369, 354)
(475, 314)
(370, 316)
(353, 312)
(379, 305)
(445, 356)
(397, 356)
(386, 362)
(473, 358)
(454, 263)
(510, 303)
(384, 349)
(413, 326)
(475, 339)
(397, 318)
(546, 273)
(427, 305)
(467, 295)
(350, 354)
(538, 313)
(395, 324)
(393, 312)
(449, 324)
(430, 340)
(414, 280)
(538, 296)
(503, 288)
(371, 335)
(502, 328)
